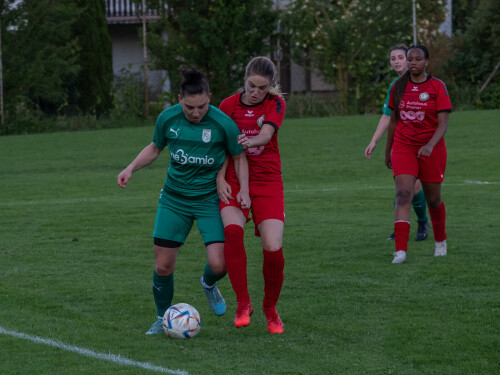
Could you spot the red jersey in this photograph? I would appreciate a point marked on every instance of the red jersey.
(418, 110)
(264, 162)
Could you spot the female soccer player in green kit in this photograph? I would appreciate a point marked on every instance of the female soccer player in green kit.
(197, 136)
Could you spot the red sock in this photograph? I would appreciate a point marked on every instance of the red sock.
(438, 219)
(236, 262)
(273, 266)
(402, 232)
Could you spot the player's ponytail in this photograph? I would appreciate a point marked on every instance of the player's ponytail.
(264, 67)
(193, 83)
(399, 89)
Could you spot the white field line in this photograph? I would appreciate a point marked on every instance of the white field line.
(121, 197)
(89, 353)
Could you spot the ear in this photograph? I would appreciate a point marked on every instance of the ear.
(179, 97)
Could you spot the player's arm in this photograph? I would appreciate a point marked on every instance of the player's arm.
(260, 139)
(223, 188)
(382, 127)
(390, 139)
(145, 157)
(442, 118)
(241, 168)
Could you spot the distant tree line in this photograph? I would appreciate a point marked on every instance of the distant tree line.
(57, 63)
(56, 60)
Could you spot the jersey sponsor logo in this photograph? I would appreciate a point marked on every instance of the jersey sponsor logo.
(182, 158)
(176, 132)
(423, 96)
(415, 88)
(254, 151)
(411, 115)
(207, 135)
(249, 113)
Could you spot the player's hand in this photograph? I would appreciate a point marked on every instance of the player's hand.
(388, 160)
(425, 151)
(243, 198)
(244, 141)
(224, 190)
(369, 149)
(123, 177)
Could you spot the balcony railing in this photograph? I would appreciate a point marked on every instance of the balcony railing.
(126, 11)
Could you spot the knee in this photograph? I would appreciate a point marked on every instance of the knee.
(219, 268)
(434, 202)
(272, 244)
(164, 269)
(403, 197)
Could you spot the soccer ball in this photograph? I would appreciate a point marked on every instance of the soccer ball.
(181, 321)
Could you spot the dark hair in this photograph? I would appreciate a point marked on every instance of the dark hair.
(400, 84)
(398, 47)
(193, 83)
(264, 67)
(421, 47)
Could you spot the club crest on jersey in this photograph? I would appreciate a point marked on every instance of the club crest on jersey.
(207, 135)
(424, 96)
(260, 121)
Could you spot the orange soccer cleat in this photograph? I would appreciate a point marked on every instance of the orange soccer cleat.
(243, 314)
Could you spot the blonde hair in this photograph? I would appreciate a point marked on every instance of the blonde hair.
(264, 67)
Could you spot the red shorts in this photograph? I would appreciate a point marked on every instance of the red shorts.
(267, 203)
(428, 169)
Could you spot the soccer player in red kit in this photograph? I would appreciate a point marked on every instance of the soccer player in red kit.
(258, 111)
(416, 148)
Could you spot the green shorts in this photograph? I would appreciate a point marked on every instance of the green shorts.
(175, 217)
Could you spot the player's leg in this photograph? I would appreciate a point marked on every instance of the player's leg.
(235, 256)
(163, 279)
(420, 207)
(215, 269)
(437, 212)
(271, 232)
(212, 231)
(404, 196)
(170, 232)
(432, 170)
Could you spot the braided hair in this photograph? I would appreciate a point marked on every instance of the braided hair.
(400, 84)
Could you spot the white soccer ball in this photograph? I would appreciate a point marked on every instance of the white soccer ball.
(181, 321)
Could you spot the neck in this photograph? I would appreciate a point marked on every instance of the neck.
(419, 78)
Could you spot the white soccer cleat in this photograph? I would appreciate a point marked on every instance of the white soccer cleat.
(399, 257)
(440, 249)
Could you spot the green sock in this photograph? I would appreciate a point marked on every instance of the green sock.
(420, 206)
(210, 278)
(163, 292)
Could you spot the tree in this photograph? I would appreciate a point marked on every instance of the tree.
(348, 41)
(40, 57)
(92, 91)
(218, 37)
(57, 58)
(477, 54)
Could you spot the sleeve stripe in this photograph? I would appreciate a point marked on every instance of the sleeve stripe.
(272, 124)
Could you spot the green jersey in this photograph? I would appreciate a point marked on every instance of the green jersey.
(197, 150)
(385, 109)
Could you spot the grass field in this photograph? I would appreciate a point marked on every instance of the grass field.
(76, 261)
